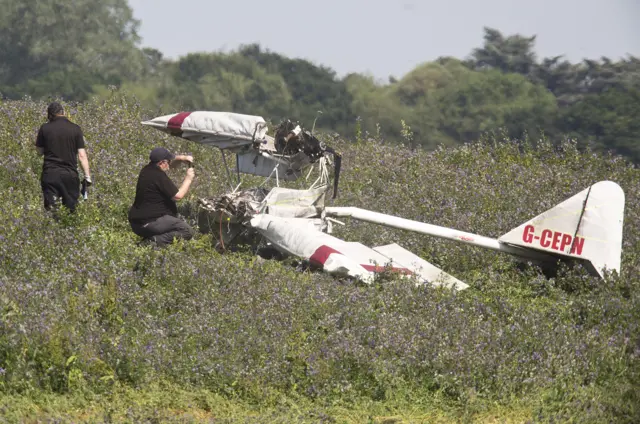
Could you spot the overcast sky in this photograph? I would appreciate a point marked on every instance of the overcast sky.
(387, 37)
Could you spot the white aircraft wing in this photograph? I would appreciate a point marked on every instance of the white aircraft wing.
(244, 135)
(301, 237)
(225, 130)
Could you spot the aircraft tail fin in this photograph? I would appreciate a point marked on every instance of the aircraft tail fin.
(587, 227)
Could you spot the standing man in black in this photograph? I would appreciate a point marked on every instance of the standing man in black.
(153, 214)
(61, 142)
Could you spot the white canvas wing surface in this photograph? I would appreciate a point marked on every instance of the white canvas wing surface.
(221, 129)
(426, 270)
(299, 237)
(587, 226)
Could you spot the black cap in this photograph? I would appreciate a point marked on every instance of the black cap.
(160, 153)
(54, 109)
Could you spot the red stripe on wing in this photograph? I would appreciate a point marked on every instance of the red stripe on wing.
(175, 123)
(321, 255)
(378, 268)
(323, 252)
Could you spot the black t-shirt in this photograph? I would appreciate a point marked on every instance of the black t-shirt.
(154, 196)
(60, 140)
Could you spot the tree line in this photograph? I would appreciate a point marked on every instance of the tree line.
(80, 49)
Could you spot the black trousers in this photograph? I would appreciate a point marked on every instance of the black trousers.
(60, 184)
(163, 230)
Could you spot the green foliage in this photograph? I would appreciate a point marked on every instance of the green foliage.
(607, 121)
(76, 50)
(376, 107)
(313, 88)
(226, 82)
(451, 104)
(92, 322)
(512, 54)
(63, 48)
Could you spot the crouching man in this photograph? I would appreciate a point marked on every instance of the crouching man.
(153, 214)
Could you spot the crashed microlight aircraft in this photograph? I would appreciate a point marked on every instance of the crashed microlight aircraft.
(586, 228)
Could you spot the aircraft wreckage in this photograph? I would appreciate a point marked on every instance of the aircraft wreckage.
(586, 228)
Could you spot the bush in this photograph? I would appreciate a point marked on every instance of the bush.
(83, 308)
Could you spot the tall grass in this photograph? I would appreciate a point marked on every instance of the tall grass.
(86, 313)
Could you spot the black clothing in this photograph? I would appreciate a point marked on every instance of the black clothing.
(62, 184)
(60, 140)
(153, 214)
(163, 230)
(154, 196)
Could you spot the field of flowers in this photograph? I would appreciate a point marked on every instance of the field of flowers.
(94, 327)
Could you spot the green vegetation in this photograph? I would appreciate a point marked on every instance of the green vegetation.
(79, 50)
(94, 327)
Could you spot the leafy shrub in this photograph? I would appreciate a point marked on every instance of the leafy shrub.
(84, 308)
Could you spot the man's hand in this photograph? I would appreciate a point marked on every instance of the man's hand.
(179, 159)
(183, 158)
(87, 178)
(191, 173)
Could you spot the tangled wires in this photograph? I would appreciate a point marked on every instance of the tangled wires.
(239, 206)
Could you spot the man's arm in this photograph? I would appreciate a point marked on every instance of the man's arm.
(184, 158)
(84, 161)
(184, 188)
(40, 142)
(179, 159)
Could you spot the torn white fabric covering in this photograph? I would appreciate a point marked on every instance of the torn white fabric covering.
(282, 196)
(419, 266)
(221, 124)
(367, 257)
(337, 263)
(295, 236)
(268, 144)
(226, 123)
(285, 211)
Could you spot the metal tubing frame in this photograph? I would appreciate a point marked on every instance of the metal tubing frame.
(437, 231)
